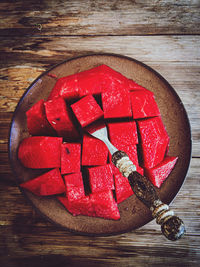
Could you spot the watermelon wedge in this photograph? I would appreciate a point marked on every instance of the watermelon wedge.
(74, 186)
(122, 188)
(70, 158)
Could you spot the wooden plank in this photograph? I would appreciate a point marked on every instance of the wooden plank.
(99, 17)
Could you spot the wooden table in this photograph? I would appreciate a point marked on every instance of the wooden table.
(35, 35)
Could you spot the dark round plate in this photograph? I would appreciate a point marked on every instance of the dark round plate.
(133, 213)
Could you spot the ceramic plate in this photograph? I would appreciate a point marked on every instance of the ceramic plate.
(133, 213)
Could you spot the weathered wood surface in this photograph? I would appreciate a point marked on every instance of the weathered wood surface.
(35, 35)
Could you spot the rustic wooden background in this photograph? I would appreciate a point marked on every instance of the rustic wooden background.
(35, 35)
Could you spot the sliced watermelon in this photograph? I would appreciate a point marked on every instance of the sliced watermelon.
(144, 104)
(70, 158)
(60, 117)
(74, 186)
(49, 183)
(154, 141)
(122, 188)
(160, 172)
(123, 133)
(87, 110)
(40, 152)
(105, 205)
(94, 151)
(37, 122)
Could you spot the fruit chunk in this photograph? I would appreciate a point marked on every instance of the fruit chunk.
(49, 183)
(59, 116)
(94, 151)
(160, 172)
(70, 157)
(74, 186)
(36, 120)
(122, 188)
(116, 103)
(40, 152)
(101, 178)
(143, 104)
(123, 133)
(87, 110)
(154, 141)
(104, 205)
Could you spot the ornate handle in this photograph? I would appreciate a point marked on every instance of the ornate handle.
(172, 226)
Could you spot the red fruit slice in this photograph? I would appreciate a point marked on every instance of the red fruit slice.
(104, 205)
(59, 116)
(36, 120)
(116, 103)
(101, 178)
(144, 104)
(70, 158)
(123, 133)
(159, 173)
(154, 141)
(49, 183)
(40, 152)
(134, 86)
(74, 186)
(122, 188)
(87, 110)
(94, 151)
(82, 206)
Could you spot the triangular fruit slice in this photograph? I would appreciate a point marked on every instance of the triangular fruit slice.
(74, 186)
(122, 188)
(49, 183)
(159, 173)
(105, 205)
(70, 158)
(40, 152)
(60, 117)
(37, 122)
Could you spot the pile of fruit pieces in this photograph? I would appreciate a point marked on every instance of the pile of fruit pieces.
(77, 161)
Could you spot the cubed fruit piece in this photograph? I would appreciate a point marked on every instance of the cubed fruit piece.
(154, 141)
(94, 151)
(143, 104)
(134, 86)
(123, 133)
(37, 122)
(49, 183)
(158, 174)
(74, 186)
(116, 103)
(81, 206)
(87, 110)
(101, 178)
(122, 188)
(70, 158)
(39, 152)
(105, 205)
(60, 117)
(67, 87)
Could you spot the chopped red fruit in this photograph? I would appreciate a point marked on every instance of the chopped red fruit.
(94, 151)
(105, 205)
(74, 186)
(134, 86)
(49, 183)
(122, 188)
(70, 158)
(87, 110)
(40, 152)
(101, 178)
(59, 116)
(116, 103)
(160, 172)
(123, 133)
(154, 141)
(144, 104)
(37, 122)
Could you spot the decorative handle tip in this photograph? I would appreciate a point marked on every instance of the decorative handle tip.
(173, 228)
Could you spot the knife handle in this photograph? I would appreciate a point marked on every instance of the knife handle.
(172, 226)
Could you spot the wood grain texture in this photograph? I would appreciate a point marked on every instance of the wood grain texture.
(99, 17)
